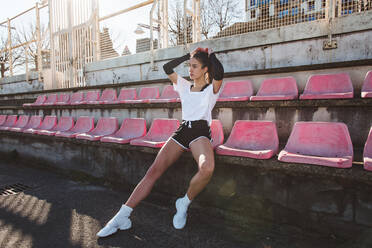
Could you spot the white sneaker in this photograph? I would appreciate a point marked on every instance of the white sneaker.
(179, 219)
(119, 221)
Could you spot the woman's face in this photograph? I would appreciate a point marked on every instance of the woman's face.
(195, 70)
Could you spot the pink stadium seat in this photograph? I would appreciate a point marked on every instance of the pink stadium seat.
(51, 100)
(83, 124)
(236, 91)
(328, 86)
(39, 101)
(21, 122)
(63, 99)
(131, 128)
(253, 139)
(127, 94)
(9, 122)
(108, 97)
(168, 95)
(159, 133)
(367, 86)
(277, 89)
(76, 98)
(216, 133)
(90, 97)
(49, 122)
(105, 126)
(34, 123)
(2, 119)
(320, 143)
(145, 94)
(367, 153)
(65, 123)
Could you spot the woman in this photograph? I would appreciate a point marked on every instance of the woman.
(197, 101)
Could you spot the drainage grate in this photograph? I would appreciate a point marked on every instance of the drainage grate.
(13, 189)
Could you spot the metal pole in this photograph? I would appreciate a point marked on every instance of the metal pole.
(38, 43)
(151, 37)
(52, 56)
(10, 49)
(185, 22)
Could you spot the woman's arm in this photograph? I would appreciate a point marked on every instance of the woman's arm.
(168, 67)
(218, 72)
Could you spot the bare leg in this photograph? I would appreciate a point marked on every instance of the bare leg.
(167, 155)
(202, 151)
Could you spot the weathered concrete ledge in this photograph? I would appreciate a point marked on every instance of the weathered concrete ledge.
(256, 194)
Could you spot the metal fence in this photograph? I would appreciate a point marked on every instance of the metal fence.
(83, 32)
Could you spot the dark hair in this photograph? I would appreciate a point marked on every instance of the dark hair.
(204, 60)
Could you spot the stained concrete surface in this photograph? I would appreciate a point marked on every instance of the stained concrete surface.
(59, 212)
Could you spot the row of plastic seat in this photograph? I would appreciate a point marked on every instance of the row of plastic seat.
(320, 143)
(327, 86)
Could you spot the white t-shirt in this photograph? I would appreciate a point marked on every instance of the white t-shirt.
(196, 105)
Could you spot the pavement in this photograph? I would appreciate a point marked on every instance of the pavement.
(56, 211)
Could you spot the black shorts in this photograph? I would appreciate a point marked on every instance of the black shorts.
(190, 131)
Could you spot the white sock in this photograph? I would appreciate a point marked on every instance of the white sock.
(123, 213)
(185, 201)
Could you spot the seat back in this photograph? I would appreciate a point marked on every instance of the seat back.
(83, 124)
(148, 93)
(329, 83)
(367, 84)
(217, 133)
(2, 119)
(92, 95)
(278, 86)
(63, 97)
(127, 94)
(10, 121)
(254, 135)
(169, 93)
(52, 99)
(133, 128)
(49, 122)
(237, 89)
(105, 126)
(22, 121)
(108, 95)
(40, 100)
(65, 123)
(324, 139)
(35, 121)
(367, 152)
(162, 129)
(77, 97)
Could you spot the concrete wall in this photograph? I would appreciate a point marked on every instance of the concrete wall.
(16, 84)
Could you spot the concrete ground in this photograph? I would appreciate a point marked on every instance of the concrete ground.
(59, 212)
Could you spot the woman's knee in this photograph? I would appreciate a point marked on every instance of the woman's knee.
(206, 168)
(155, 171)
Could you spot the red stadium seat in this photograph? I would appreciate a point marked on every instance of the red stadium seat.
(145, 94)
(105, 126)
(9, 122)
(34, 123)
(51, 100)
(367, 86)
(168, 95)
(216, 133)
(65, 123)
(108, 97)
(76, 98)
(48, 123)
(83, 124)
(39, 101)
(236, 91)
(253, 139)
(2, 119)
(90, 97)
(127, 94)
(63, 99)
(367, 153)
(328, 86)
(320, 143)
(277, 89)
(131, 128)
(21, 122)
(159, 133)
